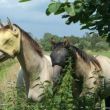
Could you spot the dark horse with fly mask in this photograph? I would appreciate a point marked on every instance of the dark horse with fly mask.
(91, 74)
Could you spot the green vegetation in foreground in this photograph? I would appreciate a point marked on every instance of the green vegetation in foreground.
(4, 66)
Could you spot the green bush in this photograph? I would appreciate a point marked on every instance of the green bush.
(102, 46)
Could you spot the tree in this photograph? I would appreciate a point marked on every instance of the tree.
(46, 39)
(24, 0)
(102, 46)
(92, 14)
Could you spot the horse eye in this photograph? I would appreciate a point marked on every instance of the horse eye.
(14, 30)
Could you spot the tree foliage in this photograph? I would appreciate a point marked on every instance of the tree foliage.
(24, 0)
(88, 41)
(92, 14)
(45, 41)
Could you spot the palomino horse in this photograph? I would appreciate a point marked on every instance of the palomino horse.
(36, 68)
(91, 74)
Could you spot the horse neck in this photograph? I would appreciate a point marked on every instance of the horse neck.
(28, 57)
(81, 67)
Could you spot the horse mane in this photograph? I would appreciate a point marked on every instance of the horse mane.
(34, 44)
(87, 58)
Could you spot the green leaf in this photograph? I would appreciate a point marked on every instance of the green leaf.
(24, 0)
(68, 22)
(84, 27)
(70, 10)
(50, 90)
(53, 8)
(61, 9)
(47, 12)
(79, 10)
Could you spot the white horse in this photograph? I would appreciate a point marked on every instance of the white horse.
(36, 67)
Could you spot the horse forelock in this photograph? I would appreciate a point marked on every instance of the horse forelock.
(4, 28)
(34, 44)
(87, 58)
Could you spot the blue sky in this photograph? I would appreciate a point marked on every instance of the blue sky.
(32, 18)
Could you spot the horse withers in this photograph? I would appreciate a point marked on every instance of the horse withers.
(91, 74)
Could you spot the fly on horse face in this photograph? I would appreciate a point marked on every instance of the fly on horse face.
(91, 74)
(36, 67)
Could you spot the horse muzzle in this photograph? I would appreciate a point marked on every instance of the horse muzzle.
(56, 73)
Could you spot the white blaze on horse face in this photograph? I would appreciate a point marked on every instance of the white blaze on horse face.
(9, 42)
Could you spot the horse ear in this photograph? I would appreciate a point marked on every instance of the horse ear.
(53, 42)
(1, 23)
(9, 23)
(66, 41)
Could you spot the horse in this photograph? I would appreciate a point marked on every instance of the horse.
(91, 74)
(36, 68)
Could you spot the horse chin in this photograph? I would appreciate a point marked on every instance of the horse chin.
(56, 72)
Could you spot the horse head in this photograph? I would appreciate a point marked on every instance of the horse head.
(59, 56)
(9, 40)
